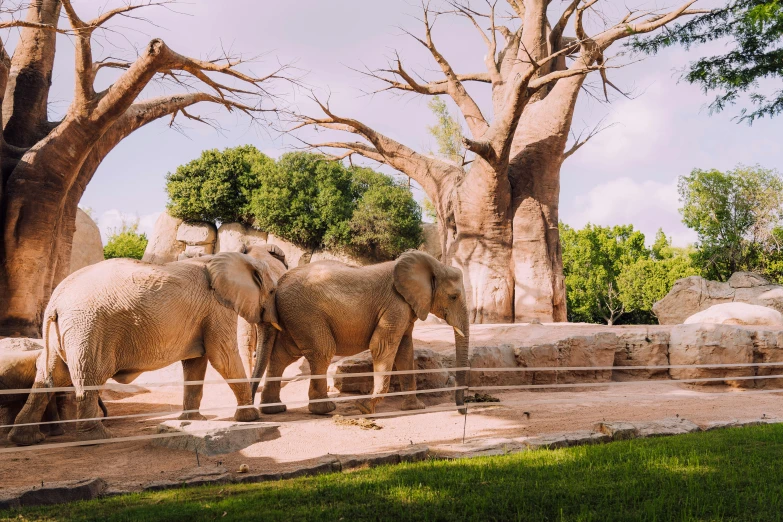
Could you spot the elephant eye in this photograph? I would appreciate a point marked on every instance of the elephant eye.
(453, 297)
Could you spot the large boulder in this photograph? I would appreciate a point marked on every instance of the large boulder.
(704, 344)
(768, 349)
(694, 294)
(236, 237)
(739, 314)
(649, 348)
(87, 246)
(163, 246)
(294, 255)
(362, 363)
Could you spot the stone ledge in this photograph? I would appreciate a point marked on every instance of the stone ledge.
(56, 493)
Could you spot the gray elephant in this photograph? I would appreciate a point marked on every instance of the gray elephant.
(330, 308)
(121, 317)
(19, 360)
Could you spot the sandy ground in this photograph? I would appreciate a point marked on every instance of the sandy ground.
(133, 464)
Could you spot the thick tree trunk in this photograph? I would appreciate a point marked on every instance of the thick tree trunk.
(481, 247)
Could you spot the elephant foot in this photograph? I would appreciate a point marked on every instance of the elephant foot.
(271, 410)
(26, 435)
(53, 430)
(246, 414)
(322, 408)
(366, 406)
(412, 403)
(192, 416)
(95, 431)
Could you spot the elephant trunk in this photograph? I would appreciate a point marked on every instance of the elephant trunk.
(461, 327)
(265, 340)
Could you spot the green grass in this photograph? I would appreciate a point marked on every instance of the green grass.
(732, 474)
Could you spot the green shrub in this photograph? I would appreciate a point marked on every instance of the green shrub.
(125, 242)
(216, 187)
(305, 199)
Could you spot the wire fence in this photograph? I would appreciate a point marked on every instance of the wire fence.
(439, 408)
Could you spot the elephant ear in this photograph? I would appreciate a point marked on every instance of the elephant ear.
(276, 252)
(240, 283)
(414, 280)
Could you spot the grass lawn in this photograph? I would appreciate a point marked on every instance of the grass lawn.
(731, 474)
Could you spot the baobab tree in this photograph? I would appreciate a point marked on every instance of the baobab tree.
(46, 165)
(498, 214)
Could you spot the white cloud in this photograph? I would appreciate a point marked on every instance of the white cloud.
(113, 219)
(648, 205)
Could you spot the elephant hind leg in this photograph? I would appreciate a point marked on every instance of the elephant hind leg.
(51, 415)
(89, 408)
(26, 430)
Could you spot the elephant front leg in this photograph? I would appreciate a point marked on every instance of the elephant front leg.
(380, 385)
(270, 394)
(193, 370)
(405, 361)
(229, 365)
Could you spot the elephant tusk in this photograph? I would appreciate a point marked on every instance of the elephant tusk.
(277, 327)
(458, 331)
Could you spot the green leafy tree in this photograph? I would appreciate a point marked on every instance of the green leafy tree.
(646, 281)
(386, 221)
(217, 186)
(736, 215)
(753, 30)
(125, 241)
(304, 198)
(593, 259)
(447, 131)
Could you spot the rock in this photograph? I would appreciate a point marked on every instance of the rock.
(197, 233)
(480, 448)
(214, 437)
(733, 423)
(501, 356)
(20, 344)
(575, 351)
(235, 237)
(621, 430)
(57, 493)
(163, 246)
(326, 255)
(566, 440)
(642, 349)
(294, 255)
(431, 243)
(711, 344)
(738, 313)
(768, 348)
(694, 294)
(87, 246)
(199, 250)
(362, 363)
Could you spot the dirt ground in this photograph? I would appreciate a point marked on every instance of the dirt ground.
(133, 464)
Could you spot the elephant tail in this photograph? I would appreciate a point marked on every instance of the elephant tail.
(48, 370)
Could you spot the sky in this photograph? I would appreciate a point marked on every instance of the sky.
(626, 174)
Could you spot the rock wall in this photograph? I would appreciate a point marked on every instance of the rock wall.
(173, 239)
(694, 294)
(614, 351)
(87, 246)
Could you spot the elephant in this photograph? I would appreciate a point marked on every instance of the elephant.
(248, 335)
(122, 317)
(329, 308)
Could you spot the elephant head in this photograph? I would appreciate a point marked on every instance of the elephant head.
(244, 285)
(430, 287)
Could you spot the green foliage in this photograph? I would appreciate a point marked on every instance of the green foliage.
(125, 242)
(721, 475)
(737, 215)
(593, 258)
(217, 186)
(386, 221)
(753, 30)
(646, 281)
(447, 132)
(305, 199)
